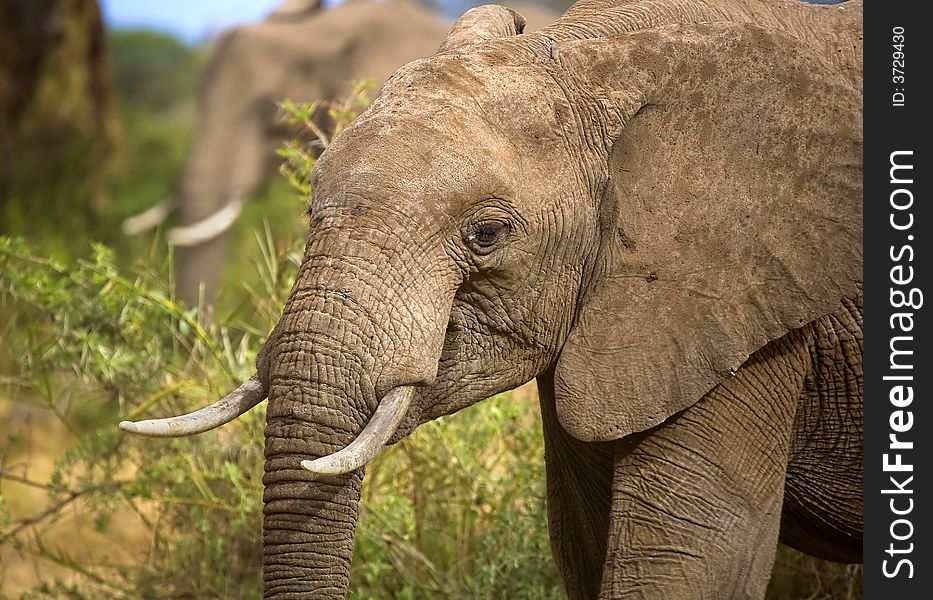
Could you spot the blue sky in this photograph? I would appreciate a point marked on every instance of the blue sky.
(190, 20)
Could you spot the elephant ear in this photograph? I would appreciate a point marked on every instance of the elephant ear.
(730, 215)
(483, 23)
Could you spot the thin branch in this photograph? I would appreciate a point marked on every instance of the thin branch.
(9, 476)
(52, 510)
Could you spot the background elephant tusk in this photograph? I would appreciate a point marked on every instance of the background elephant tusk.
(148, 219)
(209, 228)
(223, 411)
(374, 437)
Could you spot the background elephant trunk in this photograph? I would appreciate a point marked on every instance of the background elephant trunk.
(230, 156)
(220, 174)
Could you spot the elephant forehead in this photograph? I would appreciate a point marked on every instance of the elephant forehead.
(451, 156)
(502, 83)
(451, 131)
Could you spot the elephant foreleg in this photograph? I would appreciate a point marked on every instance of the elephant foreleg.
(579, 484)
(696, 503)
(822, 512)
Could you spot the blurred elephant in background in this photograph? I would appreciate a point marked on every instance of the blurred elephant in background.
(653, 207)
(300, 51)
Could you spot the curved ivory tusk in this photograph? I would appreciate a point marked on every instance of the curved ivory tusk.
(223, 411)
(148, 219)
(208, 228)
(377, 432)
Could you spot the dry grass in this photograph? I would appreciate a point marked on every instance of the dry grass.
(64, 531)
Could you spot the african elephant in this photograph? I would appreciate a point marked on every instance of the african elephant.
(651, 206)
(302, 52)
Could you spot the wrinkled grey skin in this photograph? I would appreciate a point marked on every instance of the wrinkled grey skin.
(652, 207)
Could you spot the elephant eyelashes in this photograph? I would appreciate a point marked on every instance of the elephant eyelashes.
(483, 237)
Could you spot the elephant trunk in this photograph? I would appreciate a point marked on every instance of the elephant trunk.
(319, 402)
(231, 155)
(309, 521)
(342, 365)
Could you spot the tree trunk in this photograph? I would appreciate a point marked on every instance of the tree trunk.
(56, 110)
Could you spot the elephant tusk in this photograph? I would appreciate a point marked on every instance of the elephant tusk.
(208, 228)
(149, 218)
(374, 437)
(223, 411)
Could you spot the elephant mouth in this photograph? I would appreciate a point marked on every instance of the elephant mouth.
(378, 431)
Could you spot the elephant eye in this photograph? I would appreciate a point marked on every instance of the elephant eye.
(484, 236)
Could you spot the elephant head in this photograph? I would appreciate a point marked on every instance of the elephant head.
(633, 200)
(293, 9)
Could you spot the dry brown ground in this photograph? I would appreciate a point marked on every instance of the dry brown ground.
(34, 439)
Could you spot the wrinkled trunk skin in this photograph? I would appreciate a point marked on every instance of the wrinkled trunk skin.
(319, 401)
(309, 521)
(347, 336)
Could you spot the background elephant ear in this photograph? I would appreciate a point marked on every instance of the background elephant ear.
(731, 214)
(483, 23)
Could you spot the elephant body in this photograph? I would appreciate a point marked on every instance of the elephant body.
(698, 510)
(651, 206)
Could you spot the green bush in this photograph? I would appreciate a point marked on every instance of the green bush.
(91, 346)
